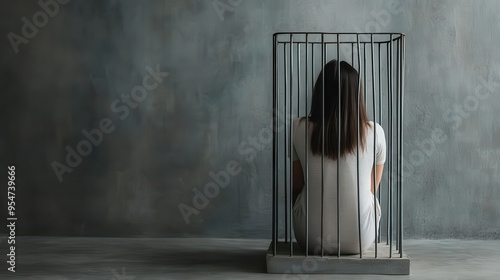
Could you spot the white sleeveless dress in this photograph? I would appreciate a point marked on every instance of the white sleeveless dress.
(349, 236)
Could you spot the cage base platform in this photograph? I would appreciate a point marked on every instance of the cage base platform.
(283, 263)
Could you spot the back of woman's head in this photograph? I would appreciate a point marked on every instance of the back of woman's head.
(350, 95)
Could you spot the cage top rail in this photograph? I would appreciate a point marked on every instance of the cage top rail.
(340, 33)
(336, 38)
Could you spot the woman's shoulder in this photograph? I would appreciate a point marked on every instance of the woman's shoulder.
(377, 125)
(378, 128)
(299, 124)
(299, 120)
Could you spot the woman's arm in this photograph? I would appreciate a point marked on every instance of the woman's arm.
(298, 179)
(380, 169)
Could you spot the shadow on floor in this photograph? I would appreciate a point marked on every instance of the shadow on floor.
(249, 261)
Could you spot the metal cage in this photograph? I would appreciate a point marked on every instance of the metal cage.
(298, 58)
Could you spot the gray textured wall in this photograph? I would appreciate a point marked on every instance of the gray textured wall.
(206, 116)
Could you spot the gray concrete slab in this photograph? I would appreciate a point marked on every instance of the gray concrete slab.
(54, 258)
(386, 261)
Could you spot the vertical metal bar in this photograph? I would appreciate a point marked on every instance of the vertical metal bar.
(298, 79)
(398, 62)
(291, 145)
(379, 86)
(339, 133)
(298, 85)
(403, 62)
(357, 152)
(285, 76)
(390, 147)
(380, 120)
(323, 64)
(389, 177)
(365, 84)
(374, 101)
(275, 132)
(306, 142)
(352, 54)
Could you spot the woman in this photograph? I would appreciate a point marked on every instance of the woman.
(350, 143)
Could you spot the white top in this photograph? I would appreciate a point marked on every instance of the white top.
(349, 237)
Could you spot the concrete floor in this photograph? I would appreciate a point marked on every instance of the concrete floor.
(154, 259)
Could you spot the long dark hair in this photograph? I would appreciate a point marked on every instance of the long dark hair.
(349, 86)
